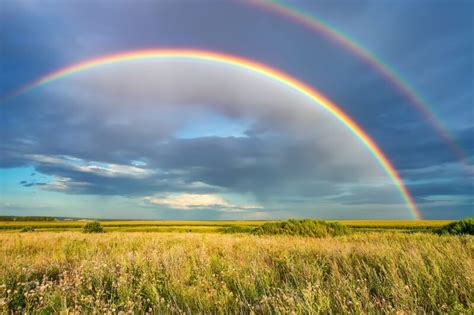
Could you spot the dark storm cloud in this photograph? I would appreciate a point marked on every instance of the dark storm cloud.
(444, 180)
(447, 188)
(426, 150)
(260, 165)
(363, 195)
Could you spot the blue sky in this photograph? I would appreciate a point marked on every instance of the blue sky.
(193, 140)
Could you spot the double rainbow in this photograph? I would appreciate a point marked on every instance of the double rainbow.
(321, 27)
(248, 65)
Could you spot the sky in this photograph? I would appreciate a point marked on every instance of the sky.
(183, 138)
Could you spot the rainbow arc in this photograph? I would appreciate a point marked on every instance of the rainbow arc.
(321, 27)
(248, 65)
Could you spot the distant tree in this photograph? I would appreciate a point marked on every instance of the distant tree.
(14, 218)
(93, 227)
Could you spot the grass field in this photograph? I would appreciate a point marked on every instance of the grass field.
(206, 226)
(388, 271)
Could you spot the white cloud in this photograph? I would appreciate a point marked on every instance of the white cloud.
(192, 201)
(101, 169)
(63, 184)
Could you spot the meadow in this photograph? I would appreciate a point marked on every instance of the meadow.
(205, 226)
(403, 269)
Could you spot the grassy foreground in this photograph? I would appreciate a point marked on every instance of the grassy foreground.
(220, 273)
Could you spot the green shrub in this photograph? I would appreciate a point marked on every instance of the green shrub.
(306, 227)
(93, 227)
(464, 226)
(27, 229)
(231, 229)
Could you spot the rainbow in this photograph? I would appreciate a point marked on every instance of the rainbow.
(249, 65)
(322, 27)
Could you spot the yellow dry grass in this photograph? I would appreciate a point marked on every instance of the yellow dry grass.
(229, 274)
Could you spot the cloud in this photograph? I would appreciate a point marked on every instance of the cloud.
(64, 184)
(100, 169)
(197, 201)
(116, 130)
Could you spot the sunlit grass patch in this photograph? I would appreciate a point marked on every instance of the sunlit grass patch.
(238, 273)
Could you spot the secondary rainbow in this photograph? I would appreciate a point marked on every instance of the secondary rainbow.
(249, 65)
(322, 27)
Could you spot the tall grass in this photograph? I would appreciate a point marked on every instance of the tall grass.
(306, 227)
(230, 273)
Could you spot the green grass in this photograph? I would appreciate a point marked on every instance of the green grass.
(73, 272)
(307, 227)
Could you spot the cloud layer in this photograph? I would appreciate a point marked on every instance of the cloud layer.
(141, 129)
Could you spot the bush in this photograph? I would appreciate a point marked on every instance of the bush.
(27, 229)
(464, 226)
(93, 227)
(306, 227)
(231, 229)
